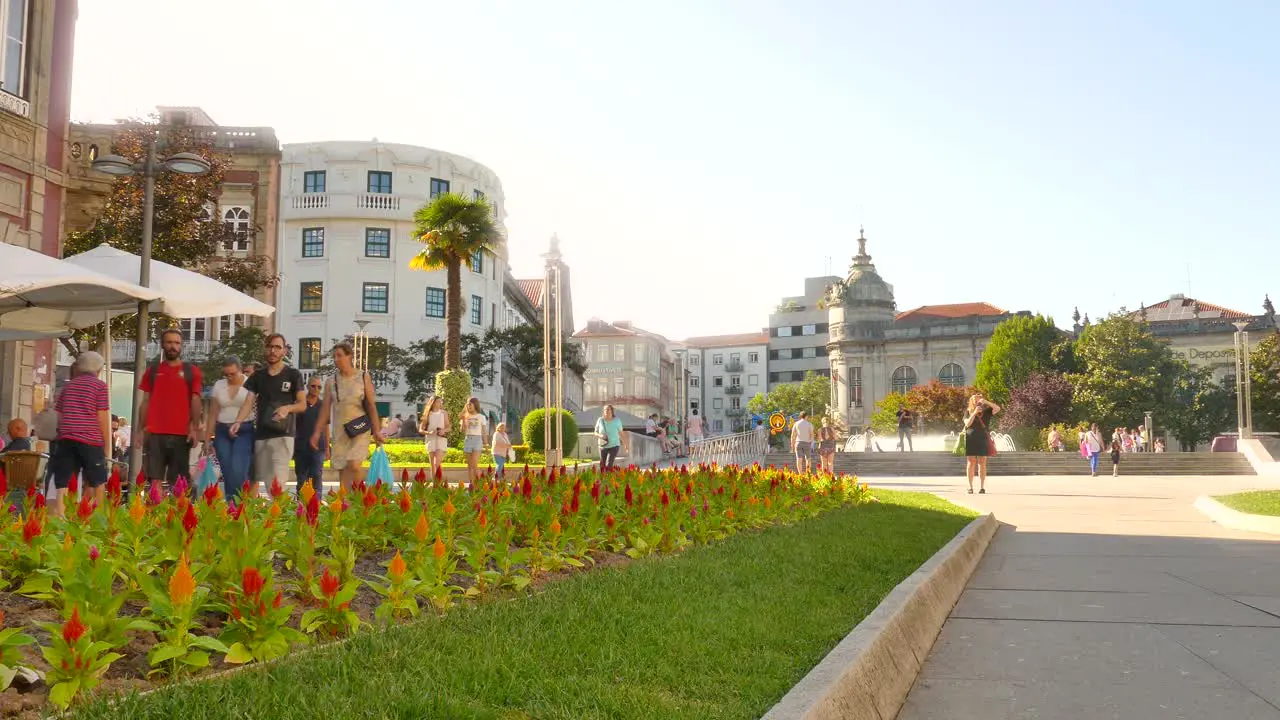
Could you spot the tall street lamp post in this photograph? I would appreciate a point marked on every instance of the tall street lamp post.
(1244, 384)
(183, 163)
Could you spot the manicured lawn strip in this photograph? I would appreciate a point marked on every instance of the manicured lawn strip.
(1258, 502)
(720, 631)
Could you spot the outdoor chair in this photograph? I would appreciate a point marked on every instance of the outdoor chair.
(23, 469)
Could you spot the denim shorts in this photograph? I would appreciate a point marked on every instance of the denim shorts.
(473, 443)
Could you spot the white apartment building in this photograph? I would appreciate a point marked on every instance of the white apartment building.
(798, 334)
(725, 372)
(346, 236)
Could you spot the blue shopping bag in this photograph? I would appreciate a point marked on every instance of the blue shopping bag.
(207, 475)
(379, 469)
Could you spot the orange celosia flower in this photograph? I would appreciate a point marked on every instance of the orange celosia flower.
(483, 519)
(73, 629)
(137, 509)
(307, 492)
(422, 527)
(67, 543)
(767, 503)
(438, 549)
(329, 584)
(406, 502)
(555, 526)
(251, 582)
(448, 507)
(182, 585)
(397, 568)
(275, 510)
(729, 513)
(538, 500)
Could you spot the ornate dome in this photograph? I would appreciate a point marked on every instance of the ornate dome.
(863, 287)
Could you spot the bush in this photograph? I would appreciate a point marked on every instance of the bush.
(531, 430)
(454, 388)
(407, 452)
(1027, 438)
(1070, 436)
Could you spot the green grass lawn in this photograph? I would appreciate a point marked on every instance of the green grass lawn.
(1258, 502)
(720, 631)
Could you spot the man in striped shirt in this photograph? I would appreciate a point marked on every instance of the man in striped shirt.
(84, 432)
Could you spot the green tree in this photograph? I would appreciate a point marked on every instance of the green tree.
(1019, 346)
(1264, 376)
(1200, 409)
(884, 419)
(452, 229)
(1124, 370)
(811, 396)
(248, 345)
(424, 359)
(183, 232)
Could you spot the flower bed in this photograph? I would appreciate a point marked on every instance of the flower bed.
(130, 594)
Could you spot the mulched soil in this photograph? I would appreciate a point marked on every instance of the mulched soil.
(130, 672)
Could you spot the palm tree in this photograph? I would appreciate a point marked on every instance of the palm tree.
(452, 229)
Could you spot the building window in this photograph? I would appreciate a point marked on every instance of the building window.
(312, 297)
(639, 351)
(904, 378)
(809, 352)
(313, 181)
(717, 425)
(753, 357)
(951, 374)
(196, 329)
(735, 357)
(235, 221)
(717, 381)
(717, 359)
(587, 391)
(309, 353)
(694, 381)
(619, 352)
(13, 62)
(438, 186)
(695, 359)
(477, 309)
(374, 298)
(753, 380)
(773, 377)
(808, 329)
(380, 182)
(477, 261)
(717, 403)
(784, 331)
(477, 194)
(435, 302)
(377, 242)
(735, 381)
(619, 387)
(855, 386)
(735, 402)
(602, 352)
(312, 242)
(638, 384)
(603, 390)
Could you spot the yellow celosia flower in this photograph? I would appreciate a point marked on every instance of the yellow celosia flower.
(182, 585)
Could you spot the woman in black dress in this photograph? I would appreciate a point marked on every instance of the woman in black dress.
(977, 439)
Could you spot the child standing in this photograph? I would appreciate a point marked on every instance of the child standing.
(1115, 458)
(501, 448)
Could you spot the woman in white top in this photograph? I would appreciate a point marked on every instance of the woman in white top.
(476, 426)
(434, 426)
(235, 454)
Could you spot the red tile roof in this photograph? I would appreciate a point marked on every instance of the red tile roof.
(714, 341)
(957, 310)
(532, 289)
(1184, 308)
(599, 328)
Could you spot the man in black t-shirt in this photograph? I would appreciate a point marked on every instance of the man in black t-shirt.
(278, 393)
(905, 421)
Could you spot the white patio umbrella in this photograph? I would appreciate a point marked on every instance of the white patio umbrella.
(42, 296)
(184, 294)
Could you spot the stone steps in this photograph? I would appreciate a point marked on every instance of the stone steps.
(938, 464)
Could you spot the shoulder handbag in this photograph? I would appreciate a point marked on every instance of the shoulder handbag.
(354, 427)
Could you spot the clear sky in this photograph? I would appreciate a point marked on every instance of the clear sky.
(700, 158)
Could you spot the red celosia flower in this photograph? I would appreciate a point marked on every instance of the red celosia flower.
(277, 489)
(246, 488)
(140, 480)
(329, 584)
(210, 494)
(93, 553)
(32, 528)
(420, 476)
(156, 494)
(595, 492)
(609, 521)
(404, 476)
(73, 486)
(573, 504)
(251, 582)
(189, 519)
(630, 497)
(662, 495)
(84, 509)
(277, 602)
(526, 487)
(73, 629)
(114, 486)
(439, 474)
(4, 484)
(234, 510)
(313, 510)
(370, 498)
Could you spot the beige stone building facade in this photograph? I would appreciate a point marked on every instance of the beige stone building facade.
(248, 203)
(35, 108)
(627, 367)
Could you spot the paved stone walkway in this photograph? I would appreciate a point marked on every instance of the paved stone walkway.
(1107, 598)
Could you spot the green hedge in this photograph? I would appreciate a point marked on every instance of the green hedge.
(532, 427)
(409, 453)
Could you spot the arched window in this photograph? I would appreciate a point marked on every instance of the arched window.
(236, 222)
(904, 378)
(951, 374)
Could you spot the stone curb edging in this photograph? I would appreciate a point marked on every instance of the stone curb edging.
(868, 675)
(1236, 520)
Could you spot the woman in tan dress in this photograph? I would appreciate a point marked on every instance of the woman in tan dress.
(347, 396)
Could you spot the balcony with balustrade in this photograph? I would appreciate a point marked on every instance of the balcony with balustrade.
(733, 390)
(735, 412)
(733, 366)
(355, 205)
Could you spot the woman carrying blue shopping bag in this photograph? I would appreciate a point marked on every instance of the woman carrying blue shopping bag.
(348, 403)
(379, 469)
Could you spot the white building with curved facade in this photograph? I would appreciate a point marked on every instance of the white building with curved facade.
(345, 240)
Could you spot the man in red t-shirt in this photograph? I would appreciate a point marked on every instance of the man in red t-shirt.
(170, 420)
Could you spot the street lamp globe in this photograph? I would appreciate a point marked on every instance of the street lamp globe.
(187, 164)
(113, 165)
